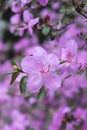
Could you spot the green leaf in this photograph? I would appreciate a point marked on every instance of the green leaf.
(14, 76)
(15, 66)
(46, 30)
(13, 63)
(23, 86)
(9, 73)
(57, 72)
(34, 2)
(80, 71)
(41, 93)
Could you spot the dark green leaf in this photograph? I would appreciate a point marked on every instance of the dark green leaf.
(57, 72)
(23, 86)
(80, 71)
(9, 73)
(46, 30)
(41, 93)
(14, 76)
(13, 63)
(34, 2)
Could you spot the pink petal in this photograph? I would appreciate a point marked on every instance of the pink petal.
(32, 23)
(52, 81)
(34, 83)
(27, 15)
(72, 46)
(53, 61)
(26, 1)
(29, 65)
(15, 19)
(64, 54)
(39, 51)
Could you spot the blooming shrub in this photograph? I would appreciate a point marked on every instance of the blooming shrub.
(43, 75)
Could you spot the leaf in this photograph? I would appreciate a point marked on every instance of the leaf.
(15, 66)
(9, 73)
(41, 93)
(14, 76)
(23, 86)
(57, 72)
(80, 71)
(46, 30)
(34, 2)
(13, 63)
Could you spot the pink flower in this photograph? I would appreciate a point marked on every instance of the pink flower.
(69, 55)
(43, 2)
(41, 68)
(17, 7)
(29, 22)
(58, 117)
(26, 1)
(15, 19)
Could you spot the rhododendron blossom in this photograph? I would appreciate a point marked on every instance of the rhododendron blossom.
(41, 68)
(69, 54)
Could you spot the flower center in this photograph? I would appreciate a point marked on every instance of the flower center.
(45, 69)
(69, 57)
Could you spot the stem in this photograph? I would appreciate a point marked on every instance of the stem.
(79, 8)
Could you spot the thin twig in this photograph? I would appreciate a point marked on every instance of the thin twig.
(79, 7)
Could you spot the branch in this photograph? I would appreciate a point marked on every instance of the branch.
(79, 5)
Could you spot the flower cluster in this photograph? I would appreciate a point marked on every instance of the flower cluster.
(43, 66)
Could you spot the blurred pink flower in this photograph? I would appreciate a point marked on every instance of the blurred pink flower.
(43, 2)
(15, 19)
(26, 1)
(29, 22)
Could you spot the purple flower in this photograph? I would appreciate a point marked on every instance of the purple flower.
(70, 56)
(26, 1)
(43, 2)
(27, 16)
(29, 22)
(15, 19)
(58, 118)
(69, 52)
(17, 7)
(41, 68)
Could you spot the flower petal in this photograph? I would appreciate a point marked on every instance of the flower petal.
(26, 1)
(34, 83)
(53, 61)
(39, 51)
(52, 81)
(29, 65)
(43, 2)
(72, 46)
(27, 15)
(32, 23)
